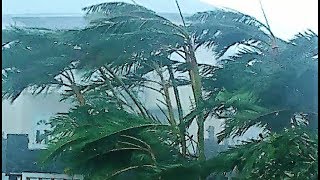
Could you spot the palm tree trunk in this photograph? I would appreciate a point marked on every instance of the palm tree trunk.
(196, 87)
(167, 98)
(74, 87)
(78, 94)
(108, 82)
(180, 112)
(136, 101)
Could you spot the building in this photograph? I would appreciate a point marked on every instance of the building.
(19, 162)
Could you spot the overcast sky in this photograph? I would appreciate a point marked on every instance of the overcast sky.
(286, 17)
(74, 6)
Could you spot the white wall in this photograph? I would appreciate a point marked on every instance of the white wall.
(4, 177)
(50, 176)
(22, 116)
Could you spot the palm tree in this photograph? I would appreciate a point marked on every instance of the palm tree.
(123, 44)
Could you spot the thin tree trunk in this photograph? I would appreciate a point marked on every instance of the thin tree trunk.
(74, 87)
(141, 108)
(196, 87)
(78, 94)
(180, 112)
(167, 98)
(110, 86)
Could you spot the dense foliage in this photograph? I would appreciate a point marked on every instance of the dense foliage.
(110, 133)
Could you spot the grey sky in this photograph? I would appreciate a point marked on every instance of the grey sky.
(286, 18)
(74, 6)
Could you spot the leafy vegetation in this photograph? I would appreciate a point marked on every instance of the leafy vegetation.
(111, 134)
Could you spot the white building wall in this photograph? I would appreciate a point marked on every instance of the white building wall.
(4, 177)
(36, 176)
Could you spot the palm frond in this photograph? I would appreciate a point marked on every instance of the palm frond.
(222, 29)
